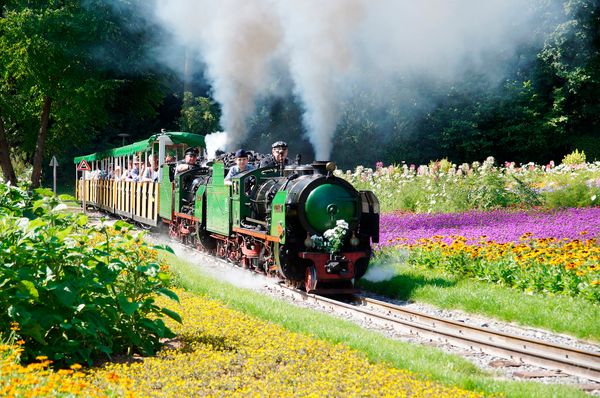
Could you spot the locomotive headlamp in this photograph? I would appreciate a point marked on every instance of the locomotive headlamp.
(330, 166)
(354, 241)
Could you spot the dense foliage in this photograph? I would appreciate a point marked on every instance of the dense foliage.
(76, 292)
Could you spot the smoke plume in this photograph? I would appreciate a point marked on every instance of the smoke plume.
(330, 49)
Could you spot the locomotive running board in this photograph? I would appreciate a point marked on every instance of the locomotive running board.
(186, 216)
(259, 235)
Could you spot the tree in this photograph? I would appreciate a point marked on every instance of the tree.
(5, 163)
(572, 59)
(54, 74)
(199, 115)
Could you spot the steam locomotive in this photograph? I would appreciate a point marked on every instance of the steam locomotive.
(300, 222)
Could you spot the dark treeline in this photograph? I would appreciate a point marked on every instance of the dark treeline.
(77, 74)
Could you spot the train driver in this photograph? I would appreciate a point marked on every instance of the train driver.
(241, 165)
(191, 156)
(278, 156)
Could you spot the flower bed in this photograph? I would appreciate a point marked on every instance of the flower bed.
(551, 252)
(221, 352)
(500, 226)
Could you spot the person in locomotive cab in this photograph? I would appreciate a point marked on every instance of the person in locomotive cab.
(191, 156)
(241, 165)
(278, 156)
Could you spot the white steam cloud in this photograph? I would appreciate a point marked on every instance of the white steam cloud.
(328, 48)
(380, 273)
(214, 142)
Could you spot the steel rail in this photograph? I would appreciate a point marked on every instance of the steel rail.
(567, 359)
(524, 350)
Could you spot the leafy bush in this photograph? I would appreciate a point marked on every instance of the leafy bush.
(574, 157)
(77, 292)
(574, 194)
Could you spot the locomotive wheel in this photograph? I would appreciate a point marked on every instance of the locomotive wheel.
(203, 240)
(289, 266)
(310, 281)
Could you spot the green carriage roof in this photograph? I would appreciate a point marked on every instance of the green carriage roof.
(190, 139)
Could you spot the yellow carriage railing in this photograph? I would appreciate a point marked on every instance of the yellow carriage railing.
(135, 200)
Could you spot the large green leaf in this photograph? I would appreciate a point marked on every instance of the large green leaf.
(29, 288)
(65, 294)
(168, 293)
(171, 314)
(128, 305)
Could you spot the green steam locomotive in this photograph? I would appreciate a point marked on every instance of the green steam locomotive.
(299, 222)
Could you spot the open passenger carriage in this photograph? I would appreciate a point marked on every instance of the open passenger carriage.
(137, 199)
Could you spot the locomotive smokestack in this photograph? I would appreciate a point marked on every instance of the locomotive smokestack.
(320, 166)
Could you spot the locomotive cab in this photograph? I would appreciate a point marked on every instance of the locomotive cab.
(186, 185)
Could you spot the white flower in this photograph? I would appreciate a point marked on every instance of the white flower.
(342, 223)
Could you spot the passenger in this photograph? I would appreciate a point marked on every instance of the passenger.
(169, 159)
(133, 172)
(278, 156)
(143, 167)
(242, 165)
(117, 174)
(151, 172)
(191, 156)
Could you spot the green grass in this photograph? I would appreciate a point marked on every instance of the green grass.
(576, 317)
(432, 363)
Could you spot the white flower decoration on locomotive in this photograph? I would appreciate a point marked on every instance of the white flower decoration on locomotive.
(332, 239)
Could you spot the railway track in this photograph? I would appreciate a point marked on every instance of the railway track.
(517, 349)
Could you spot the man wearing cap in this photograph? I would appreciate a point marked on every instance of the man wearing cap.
(191, 156)
(278, 156)
(241, 165)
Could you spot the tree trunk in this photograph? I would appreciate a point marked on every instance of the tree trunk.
(5, 163)
(36, 175)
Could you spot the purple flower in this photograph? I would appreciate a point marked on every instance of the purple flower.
(500, 226)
